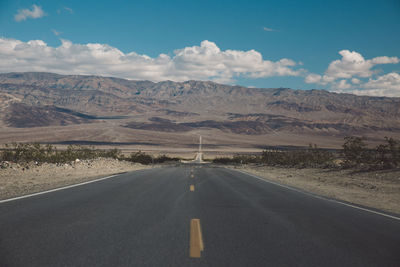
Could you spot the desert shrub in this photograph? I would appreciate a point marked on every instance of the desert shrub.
(311, 157)
(111, 153)
(35, 152)
(237, 159)
(79, 152)
(317, 156)
(19, 152)
(355, 152)
(246, 159)
(387, 156)
(384, 156)
(224, 160)
(140, 157)
(165, 158)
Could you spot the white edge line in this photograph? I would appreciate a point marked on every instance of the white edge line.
(316, 196)
(56, 189)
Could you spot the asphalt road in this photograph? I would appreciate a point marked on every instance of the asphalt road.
(143, 219)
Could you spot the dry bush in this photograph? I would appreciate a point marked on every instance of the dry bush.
(311, 157)
(20, 152)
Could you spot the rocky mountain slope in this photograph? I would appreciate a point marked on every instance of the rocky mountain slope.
(45, 99)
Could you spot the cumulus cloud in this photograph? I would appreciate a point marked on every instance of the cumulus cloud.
(349, 73)
(342, 84)
(204, 62)
(352, 64)
(313, 78)
(34, 13)
(385, 85)
(385, 60)
(388, 81)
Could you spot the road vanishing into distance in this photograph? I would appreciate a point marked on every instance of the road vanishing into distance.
(148, 218)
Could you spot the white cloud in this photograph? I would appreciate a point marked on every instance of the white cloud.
(204, 62)
(313, 78)
(342, 84)
(354, 68)
(385, 85)
(268, 29)
(385, 60)
(70, 10)
(352, 64)
(24, 14)
(388, 81)
(56, 33)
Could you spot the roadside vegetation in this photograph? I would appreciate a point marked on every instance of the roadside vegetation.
(24, 153)
(384, 156)
(355, 154)
(143, 158)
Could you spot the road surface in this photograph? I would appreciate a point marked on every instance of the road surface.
(143, 219)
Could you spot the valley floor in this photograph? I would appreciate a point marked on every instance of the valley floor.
(375, 189)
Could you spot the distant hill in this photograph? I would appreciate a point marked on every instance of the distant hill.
(44, 99)
(20, 115)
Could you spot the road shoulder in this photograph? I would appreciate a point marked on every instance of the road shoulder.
(17, 180)
(379, 189)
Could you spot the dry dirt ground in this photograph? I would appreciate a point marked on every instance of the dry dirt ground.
(17, 179)
(376, 189)
(112, 133)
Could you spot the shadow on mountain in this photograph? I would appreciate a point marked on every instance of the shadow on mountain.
(102, 143)
(20, 115)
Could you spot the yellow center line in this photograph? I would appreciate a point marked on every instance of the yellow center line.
(191, 187)
(196, 239)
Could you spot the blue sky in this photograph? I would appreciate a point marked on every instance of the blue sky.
(292, 44)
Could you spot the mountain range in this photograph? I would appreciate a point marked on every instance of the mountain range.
(34, 99)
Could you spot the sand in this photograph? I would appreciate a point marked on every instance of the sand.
(21, 179)
(376, 189)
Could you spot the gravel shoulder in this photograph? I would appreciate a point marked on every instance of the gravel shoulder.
(22, 179)
(375, 189)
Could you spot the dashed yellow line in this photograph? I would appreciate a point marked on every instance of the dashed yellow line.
(196, 239)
